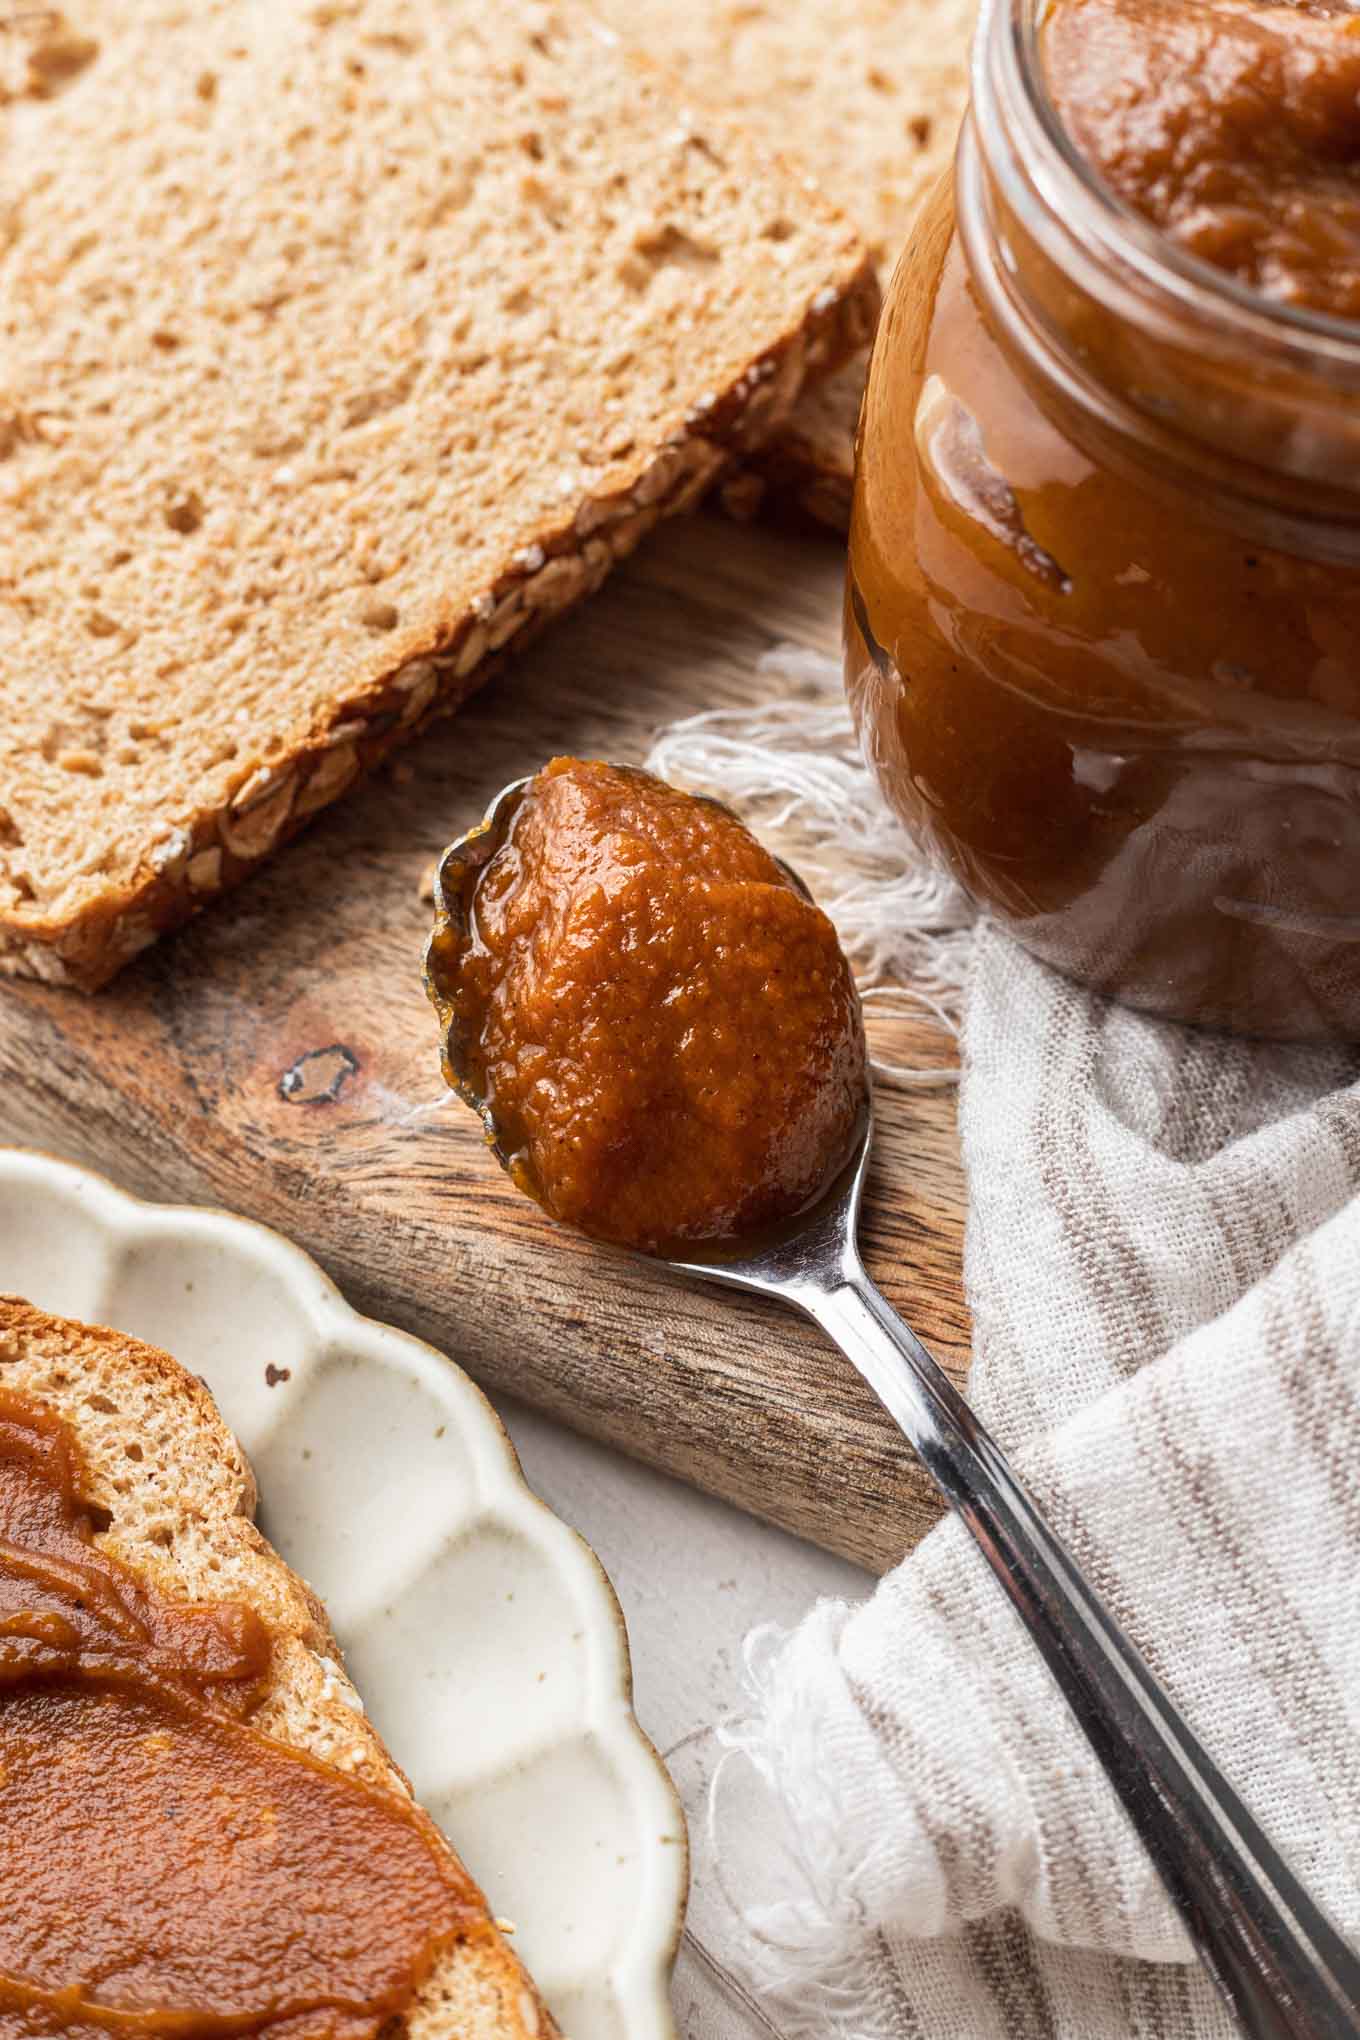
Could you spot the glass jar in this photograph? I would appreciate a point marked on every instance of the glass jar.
(1103, 607)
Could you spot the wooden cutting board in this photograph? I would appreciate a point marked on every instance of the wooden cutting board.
(279, 1058)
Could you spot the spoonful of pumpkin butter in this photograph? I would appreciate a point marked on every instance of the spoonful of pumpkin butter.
(663, 1040)
(655, 1022)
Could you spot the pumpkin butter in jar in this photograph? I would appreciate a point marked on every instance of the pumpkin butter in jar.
(1103, 609)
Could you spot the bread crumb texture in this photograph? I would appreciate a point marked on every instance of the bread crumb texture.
(342, 345)
(175, 1497)
(870, 93)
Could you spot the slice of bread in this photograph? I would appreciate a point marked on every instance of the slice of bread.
(180, 1497)
(869, 93)
(344, 342)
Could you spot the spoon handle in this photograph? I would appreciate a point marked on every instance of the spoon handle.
(1282, 1967)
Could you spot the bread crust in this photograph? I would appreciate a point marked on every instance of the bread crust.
(805, 473)
(106, 1386)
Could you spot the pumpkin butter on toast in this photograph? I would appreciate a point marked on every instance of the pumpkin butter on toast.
(199, 1831)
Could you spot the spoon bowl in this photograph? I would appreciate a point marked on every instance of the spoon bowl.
(455, 882)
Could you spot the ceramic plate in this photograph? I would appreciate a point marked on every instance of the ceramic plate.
(481, 1632)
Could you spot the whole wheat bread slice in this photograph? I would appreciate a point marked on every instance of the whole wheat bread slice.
(342, 342)
(869, 94)
(180, 1496)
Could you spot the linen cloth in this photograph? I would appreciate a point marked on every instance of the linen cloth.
(1163, 1262)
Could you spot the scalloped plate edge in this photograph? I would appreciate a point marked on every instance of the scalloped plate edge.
(640, 1974)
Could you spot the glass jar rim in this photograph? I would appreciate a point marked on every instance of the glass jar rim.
(1008, 74)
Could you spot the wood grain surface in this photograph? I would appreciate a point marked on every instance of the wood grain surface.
(279, 1058)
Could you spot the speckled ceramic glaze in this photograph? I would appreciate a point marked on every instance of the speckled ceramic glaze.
(482, 1633)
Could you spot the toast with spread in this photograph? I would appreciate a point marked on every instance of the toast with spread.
(131, 1574)
(345, 343)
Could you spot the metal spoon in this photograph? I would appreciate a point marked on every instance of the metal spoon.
(1281, 1966)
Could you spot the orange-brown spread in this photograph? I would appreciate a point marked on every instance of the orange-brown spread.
(165, 1868)
(1232, 124)
(663, 1024)
(1108, 668)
